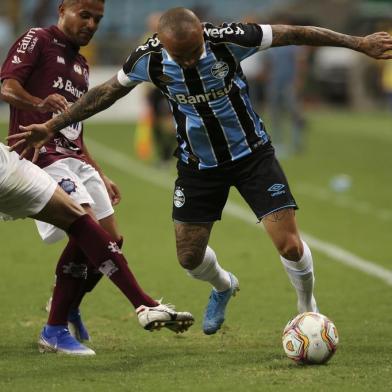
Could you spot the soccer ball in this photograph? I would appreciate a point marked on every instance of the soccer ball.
(310, 338)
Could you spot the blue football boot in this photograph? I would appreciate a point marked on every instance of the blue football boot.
(76, 326)
(57, 339)
(215, 312)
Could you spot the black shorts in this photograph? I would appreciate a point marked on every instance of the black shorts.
(200, 195)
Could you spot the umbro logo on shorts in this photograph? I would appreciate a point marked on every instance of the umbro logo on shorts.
(277, 189)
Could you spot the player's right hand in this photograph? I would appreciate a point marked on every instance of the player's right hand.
(377, 45)
(33, 136)
(54, 103)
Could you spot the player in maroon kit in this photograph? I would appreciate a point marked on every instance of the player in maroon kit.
(28, 191)
(43, 74)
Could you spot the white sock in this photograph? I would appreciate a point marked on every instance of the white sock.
(302, 278)
(210, 271)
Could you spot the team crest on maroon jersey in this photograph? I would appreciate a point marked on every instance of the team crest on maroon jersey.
(78, 69)
(67, 185)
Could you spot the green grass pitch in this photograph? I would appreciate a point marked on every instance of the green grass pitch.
(246, 355)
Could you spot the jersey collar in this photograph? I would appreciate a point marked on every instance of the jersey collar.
(203, 55)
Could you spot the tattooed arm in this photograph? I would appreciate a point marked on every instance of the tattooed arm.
(95, 100)
(375, 45)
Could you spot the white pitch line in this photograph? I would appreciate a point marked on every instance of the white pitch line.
(342, 201)
(156, 177)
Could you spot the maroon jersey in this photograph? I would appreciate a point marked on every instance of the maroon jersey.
(45, 62)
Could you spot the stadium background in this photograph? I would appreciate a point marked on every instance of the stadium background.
(342, 181)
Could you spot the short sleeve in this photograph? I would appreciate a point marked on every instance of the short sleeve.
(266, 40)
(136, 66)
(242, 39)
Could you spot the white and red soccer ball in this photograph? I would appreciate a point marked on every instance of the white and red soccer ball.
(310, 338)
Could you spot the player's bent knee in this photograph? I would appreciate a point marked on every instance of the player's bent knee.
(60, 211)
(291, 248)
(189, 258)
(69, 210)
(109, 223)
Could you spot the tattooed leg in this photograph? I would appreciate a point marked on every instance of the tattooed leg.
(191, 241)
(282, 228)
(277, 216)
(201, 263)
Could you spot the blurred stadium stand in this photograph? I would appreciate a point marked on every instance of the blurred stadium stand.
(125, 20)
(330, 76)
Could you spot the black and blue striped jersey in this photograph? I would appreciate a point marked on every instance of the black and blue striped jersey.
(215, 120)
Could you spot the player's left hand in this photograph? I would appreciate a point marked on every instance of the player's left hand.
(377, 45)
(113, 190)
(33, 136)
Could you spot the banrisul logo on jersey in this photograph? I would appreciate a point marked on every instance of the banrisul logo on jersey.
(67, 86)
(220, 70)
(206, 97)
